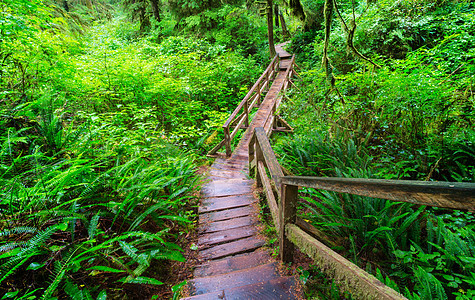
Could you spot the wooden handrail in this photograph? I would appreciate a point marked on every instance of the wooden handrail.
(282, 197)
(251, 91)
(238, 118)
(454, 195)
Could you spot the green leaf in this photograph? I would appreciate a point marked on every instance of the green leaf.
(63, 226)
(105, 269)
(35, 266)
(140, 280)
(10, 295)
(102, 295)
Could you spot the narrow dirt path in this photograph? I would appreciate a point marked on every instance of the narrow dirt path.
(234, 263)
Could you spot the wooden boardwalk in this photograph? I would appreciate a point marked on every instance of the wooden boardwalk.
(234, 263)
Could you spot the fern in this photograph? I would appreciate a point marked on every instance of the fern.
(93, 225)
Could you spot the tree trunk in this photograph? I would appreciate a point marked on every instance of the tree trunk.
(270, 28)
(285, 33)
(276, 15)
(156, 10)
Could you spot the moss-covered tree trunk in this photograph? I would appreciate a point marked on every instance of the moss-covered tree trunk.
(270, 28)
(156, 10)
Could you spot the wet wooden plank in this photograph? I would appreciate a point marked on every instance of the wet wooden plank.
(215, 174)
(278, 288)
(228, 187)
(228, 167)
(249, 276)
(210, 239)
(231, 264)
(233, 248)
(228, 202)
(227, 224)
(227, 214)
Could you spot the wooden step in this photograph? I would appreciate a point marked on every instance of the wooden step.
(225, 236)
(227, 224)
(248, 276)
(232, 248)
(231, 264)
(229, 202)
(227, 187)
(226, 214)
(278, 288)
(215, 174)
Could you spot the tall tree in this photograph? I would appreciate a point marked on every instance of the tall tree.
(270, 28)
(156, 10)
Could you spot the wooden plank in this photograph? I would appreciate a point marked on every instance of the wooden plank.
(215, 174)
(226, 214)
(226, 235)
(231, 264)
(351, 278)
(456, 195)
(278, 288)
(226, 224)
(233, 248)
(227, 187)
(274, 209)
(234, 279)
(221, 203)
(229, 167)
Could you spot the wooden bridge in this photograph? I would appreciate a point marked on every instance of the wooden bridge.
(234, 263)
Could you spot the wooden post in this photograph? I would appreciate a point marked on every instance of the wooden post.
(251, 152)
(287, 205)
(274, 113)
(259, 158)
(246, 111)
(227, 141)
(259, 93)
(268, 79)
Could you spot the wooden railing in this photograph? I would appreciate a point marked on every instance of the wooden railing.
(239, 118)
(240, 115)
(282, 197)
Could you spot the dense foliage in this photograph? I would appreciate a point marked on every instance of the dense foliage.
(107, 106)
(99, 133)
(403, 109)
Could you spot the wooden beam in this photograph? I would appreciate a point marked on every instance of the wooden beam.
(269, 156)
(455, 195)
(351, 278)
(287, 208)
(216, 148)
(273, 207)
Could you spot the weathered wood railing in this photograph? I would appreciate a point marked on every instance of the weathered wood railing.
(282, 197)
(239, 118)
(271, 122)
(240, 115)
